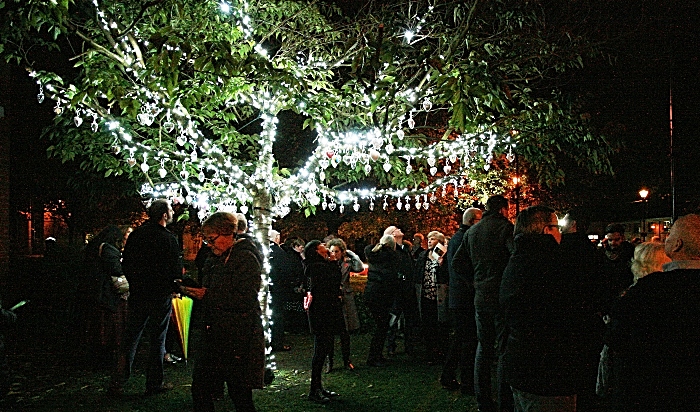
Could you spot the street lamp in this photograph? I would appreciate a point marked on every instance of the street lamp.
(643, 194)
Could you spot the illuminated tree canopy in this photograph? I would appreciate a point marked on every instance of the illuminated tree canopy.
(406, 98)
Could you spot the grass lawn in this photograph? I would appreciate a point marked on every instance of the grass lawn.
(53, 381)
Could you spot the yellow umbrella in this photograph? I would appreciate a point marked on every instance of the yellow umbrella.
(182, 308)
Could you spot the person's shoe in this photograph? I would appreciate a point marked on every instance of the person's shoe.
(349, 366)
(163, 388)
(171, 359)
(450, 384)
(318, 396)
(329, 394)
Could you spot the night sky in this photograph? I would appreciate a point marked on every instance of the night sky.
(628, 97)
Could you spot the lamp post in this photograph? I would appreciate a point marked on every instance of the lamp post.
(643, 194)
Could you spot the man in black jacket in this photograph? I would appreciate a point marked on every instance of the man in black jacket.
(485, 250)
(541, 312)
(405, 302)
(151, 263)
(463, 340)
(656, 329)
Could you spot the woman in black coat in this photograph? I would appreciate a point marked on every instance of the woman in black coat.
(325, 312)
(382, 282)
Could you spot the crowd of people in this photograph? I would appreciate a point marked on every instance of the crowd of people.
(569, 325)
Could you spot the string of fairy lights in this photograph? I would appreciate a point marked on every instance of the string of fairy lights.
(195, 170)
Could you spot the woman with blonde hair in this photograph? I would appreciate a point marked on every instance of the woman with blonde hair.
(382, 283)
(649, 257)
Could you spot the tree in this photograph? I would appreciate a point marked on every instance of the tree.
(405, 98)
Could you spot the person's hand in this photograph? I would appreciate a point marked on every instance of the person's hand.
(197, 293)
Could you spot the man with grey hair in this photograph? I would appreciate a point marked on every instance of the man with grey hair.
(461, 307)
(542, 315)
(656, 330)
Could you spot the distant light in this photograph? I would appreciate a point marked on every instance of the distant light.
(643, 194)
(225, 7)
(409, 35)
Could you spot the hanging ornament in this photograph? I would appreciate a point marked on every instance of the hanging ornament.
(447, 169)
(399, 205)
(116, 149)
(335, 160)
(389, 149)
(364, 157)
(347, 159)
(411, 123)
(427, 105)
(409, 169)
(94, 126)
(431, 161)
(162, 172)
(131, 161)
(168, 125)
(229, 190)
(324, 205)
(487, 166)
(201, 176)
(216, 180)
(40, 97)
(453, 157)
(322, 176)
(387, 166)
(181, 140)
(371, 205)
(193, 156)
(144, 118)
(385, 205)
(433, 171)
(58, 109)
(356, 206)
(400, 134)
(244, 209)
(342, 208)
(332, 205)
(374, 154)
(418, 202)
(184, 174)
(145, 167)
(426, 206)
(408, 204)
(510, 156)
(377, 142)
(433, 198)
(324, 163)
(368, 169)
(330, 154)
(77, 119)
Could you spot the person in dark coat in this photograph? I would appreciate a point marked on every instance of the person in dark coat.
(382, 282)
(485, 250)
(103, 255)
(583, 262)
(233, 350)
(7, 319)
(618, 259)
(405, 303)
(280, 291)
(542, 315)
(463, 340)
(325, 312)
(655, 329)
(151, 263)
